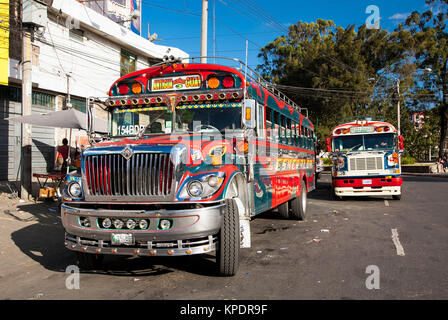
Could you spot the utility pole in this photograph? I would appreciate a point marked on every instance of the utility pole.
(214, 31)
(68, 104)
(204, 31)
(26, 171)
(398, 108)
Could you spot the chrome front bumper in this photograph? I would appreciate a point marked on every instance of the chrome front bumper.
(367, 191)
(194, 231)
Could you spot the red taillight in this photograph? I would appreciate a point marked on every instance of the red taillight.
(338, 131)
(123, 89)
(386, 129)
(228, 82)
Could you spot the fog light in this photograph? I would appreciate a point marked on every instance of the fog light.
(165, 224)
(130, 224)
(107, 223)
(85, 222)
(143, 224)
(118, 224)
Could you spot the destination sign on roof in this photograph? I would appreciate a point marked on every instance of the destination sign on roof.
(368, 129)
(176, 83)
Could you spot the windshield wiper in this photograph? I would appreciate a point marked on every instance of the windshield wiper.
(351, 149)
(142, 131)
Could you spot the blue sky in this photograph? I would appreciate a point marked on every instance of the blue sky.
(178, 23)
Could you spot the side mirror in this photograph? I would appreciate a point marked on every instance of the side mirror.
(249, 108)
(400, 142)
(328, 144)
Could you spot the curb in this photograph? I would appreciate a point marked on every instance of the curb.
(431, 175)
(416, 174)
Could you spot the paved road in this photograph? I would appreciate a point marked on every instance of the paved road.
(325, 257)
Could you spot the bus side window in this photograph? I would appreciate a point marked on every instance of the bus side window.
(302, 138)
(260, 117)
(306, 139)
(276, 126)
(309, 139)
(312, 140)
(284, 130)
(296, 134)
(268, 123)
(281, 127)
(288, 131)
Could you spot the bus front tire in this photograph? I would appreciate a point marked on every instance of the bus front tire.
(298, 204)
(396, 197)
(227, 253)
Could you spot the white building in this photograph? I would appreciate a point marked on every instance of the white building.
(75, 50)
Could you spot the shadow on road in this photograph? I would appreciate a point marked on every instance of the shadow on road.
(44, 243)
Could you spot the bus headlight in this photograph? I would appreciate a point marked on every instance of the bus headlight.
(202, 186)
(195, 189)
(340, 163)
(74, 190)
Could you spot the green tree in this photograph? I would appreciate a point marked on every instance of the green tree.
(335, 72)
(427, 39)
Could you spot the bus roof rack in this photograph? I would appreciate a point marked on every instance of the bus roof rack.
(251, 74)
(362, 118)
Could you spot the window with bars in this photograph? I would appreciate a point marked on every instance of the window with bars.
(10, 93)
(78, 104)
(43, 99)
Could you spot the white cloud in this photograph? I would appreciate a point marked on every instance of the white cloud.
(399, 16)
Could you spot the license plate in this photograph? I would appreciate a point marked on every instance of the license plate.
(122, 238)
(366, 181)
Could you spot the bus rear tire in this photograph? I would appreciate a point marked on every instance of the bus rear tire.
(227, 253)
(299, 204)
(283, 209)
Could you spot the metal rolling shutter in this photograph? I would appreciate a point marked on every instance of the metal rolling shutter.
(10, 141)
(43, 143)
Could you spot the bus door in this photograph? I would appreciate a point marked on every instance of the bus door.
(262, 180)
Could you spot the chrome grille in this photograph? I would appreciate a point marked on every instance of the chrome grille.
(144, 174)
(368, 163)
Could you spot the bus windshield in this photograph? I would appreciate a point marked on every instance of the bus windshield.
(158, 120)
(383, 141)
(211, 119)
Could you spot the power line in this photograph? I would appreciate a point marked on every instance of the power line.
(254, 8)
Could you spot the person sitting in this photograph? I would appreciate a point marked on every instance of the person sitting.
(442, 165)
(156, 127)
(62, 156)
(444, 162)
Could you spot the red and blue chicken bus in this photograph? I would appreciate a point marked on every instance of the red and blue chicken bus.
(195, 151)
(366, 159)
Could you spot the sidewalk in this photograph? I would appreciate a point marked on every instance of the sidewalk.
(415, 174)
(432, 175)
